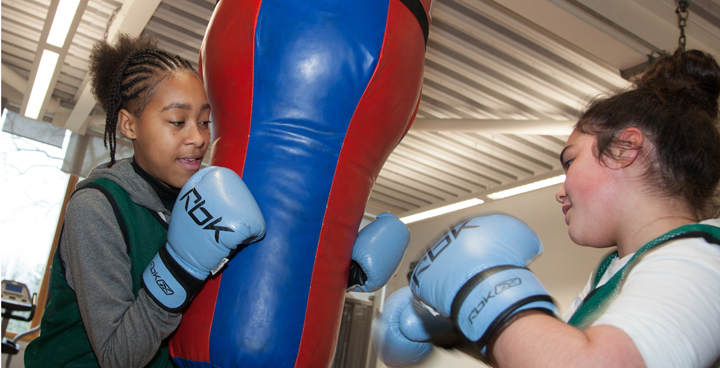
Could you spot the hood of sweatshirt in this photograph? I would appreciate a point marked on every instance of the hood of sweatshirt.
(122, 173)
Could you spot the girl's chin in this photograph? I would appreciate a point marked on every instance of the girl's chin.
(598, 243)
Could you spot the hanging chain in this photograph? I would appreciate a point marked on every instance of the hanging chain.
(109, 22)
(682, 15)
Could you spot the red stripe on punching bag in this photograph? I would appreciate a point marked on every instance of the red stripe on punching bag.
(229, 89)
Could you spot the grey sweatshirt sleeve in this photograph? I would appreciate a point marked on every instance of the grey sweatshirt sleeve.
(123, 331)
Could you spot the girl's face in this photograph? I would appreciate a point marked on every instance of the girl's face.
(591, 195)
(172, 134)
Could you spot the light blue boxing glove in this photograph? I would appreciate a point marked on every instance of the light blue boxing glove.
(213, 214)
(377, 252)
(476, 275)
(404, 333)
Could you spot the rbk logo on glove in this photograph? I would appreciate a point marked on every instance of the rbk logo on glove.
(206, 214)
(499, 288)
(161, 283)
(435, 251)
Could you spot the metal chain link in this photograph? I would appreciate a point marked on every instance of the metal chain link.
(109, 22)
(682, 15)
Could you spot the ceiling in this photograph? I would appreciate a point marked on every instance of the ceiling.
(503, 79)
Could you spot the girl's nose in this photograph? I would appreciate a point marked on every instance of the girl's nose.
(195, 136)
(560, 195)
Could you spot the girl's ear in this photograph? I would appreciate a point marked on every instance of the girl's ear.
(126, 123)
(626, 148)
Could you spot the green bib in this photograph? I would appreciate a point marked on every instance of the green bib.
(600, 298)
(63, 341)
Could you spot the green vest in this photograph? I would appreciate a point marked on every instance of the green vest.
(63, 341)
(597, 301)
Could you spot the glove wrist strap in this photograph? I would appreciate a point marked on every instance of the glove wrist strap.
(488, 299)
(168, 283)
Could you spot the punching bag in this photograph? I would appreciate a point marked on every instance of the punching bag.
(308, 98)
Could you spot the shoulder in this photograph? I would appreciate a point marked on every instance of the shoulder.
(692, 256)
(86, 202)
(95, 195)
(713, 222)
(690, 265)
(92, 216)
(92, 237)
(668, 304)
(686, 253)
(683, 271)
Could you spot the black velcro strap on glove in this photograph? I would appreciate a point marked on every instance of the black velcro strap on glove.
(168, 283)
(357, 275)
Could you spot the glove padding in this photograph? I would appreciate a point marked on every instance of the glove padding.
(213, 214)
(377, 253)
(404, 333)
(476, 276)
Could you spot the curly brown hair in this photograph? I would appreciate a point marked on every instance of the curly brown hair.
(124, 76)
(675, 104)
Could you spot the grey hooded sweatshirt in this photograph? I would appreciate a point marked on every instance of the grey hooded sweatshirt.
(123, 331)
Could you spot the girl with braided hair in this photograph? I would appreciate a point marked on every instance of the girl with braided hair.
(99, 314)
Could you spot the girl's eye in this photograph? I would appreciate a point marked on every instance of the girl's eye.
(177, 123)
(567, 163)
(205, 122)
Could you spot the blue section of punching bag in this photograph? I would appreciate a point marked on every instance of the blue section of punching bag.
(313, 61)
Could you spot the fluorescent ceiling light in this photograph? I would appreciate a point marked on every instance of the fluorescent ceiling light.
(61, 23)
(42, 82)
(442, 210)
(527, 187)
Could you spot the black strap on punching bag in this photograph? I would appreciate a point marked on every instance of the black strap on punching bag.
(418, 11)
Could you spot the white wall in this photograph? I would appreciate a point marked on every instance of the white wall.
(564, 267)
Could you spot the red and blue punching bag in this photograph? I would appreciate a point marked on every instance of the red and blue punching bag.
(308, 98)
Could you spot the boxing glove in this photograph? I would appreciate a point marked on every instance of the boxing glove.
(404, 333)
(476, 276)
(377, 252)
(213, 214)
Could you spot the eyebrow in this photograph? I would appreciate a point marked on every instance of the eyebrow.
(184, 106)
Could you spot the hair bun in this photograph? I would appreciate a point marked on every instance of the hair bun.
(687, 76)
(107, 59)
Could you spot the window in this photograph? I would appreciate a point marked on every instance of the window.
(33, 188)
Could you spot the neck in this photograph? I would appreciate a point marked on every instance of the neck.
(166, 194)
(652, 224)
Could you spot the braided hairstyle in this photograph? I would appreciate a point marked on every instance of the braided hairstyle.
(675, 104)
(124, 76)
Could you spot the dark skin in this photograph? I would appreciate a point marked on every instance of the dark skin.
(171, 136)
